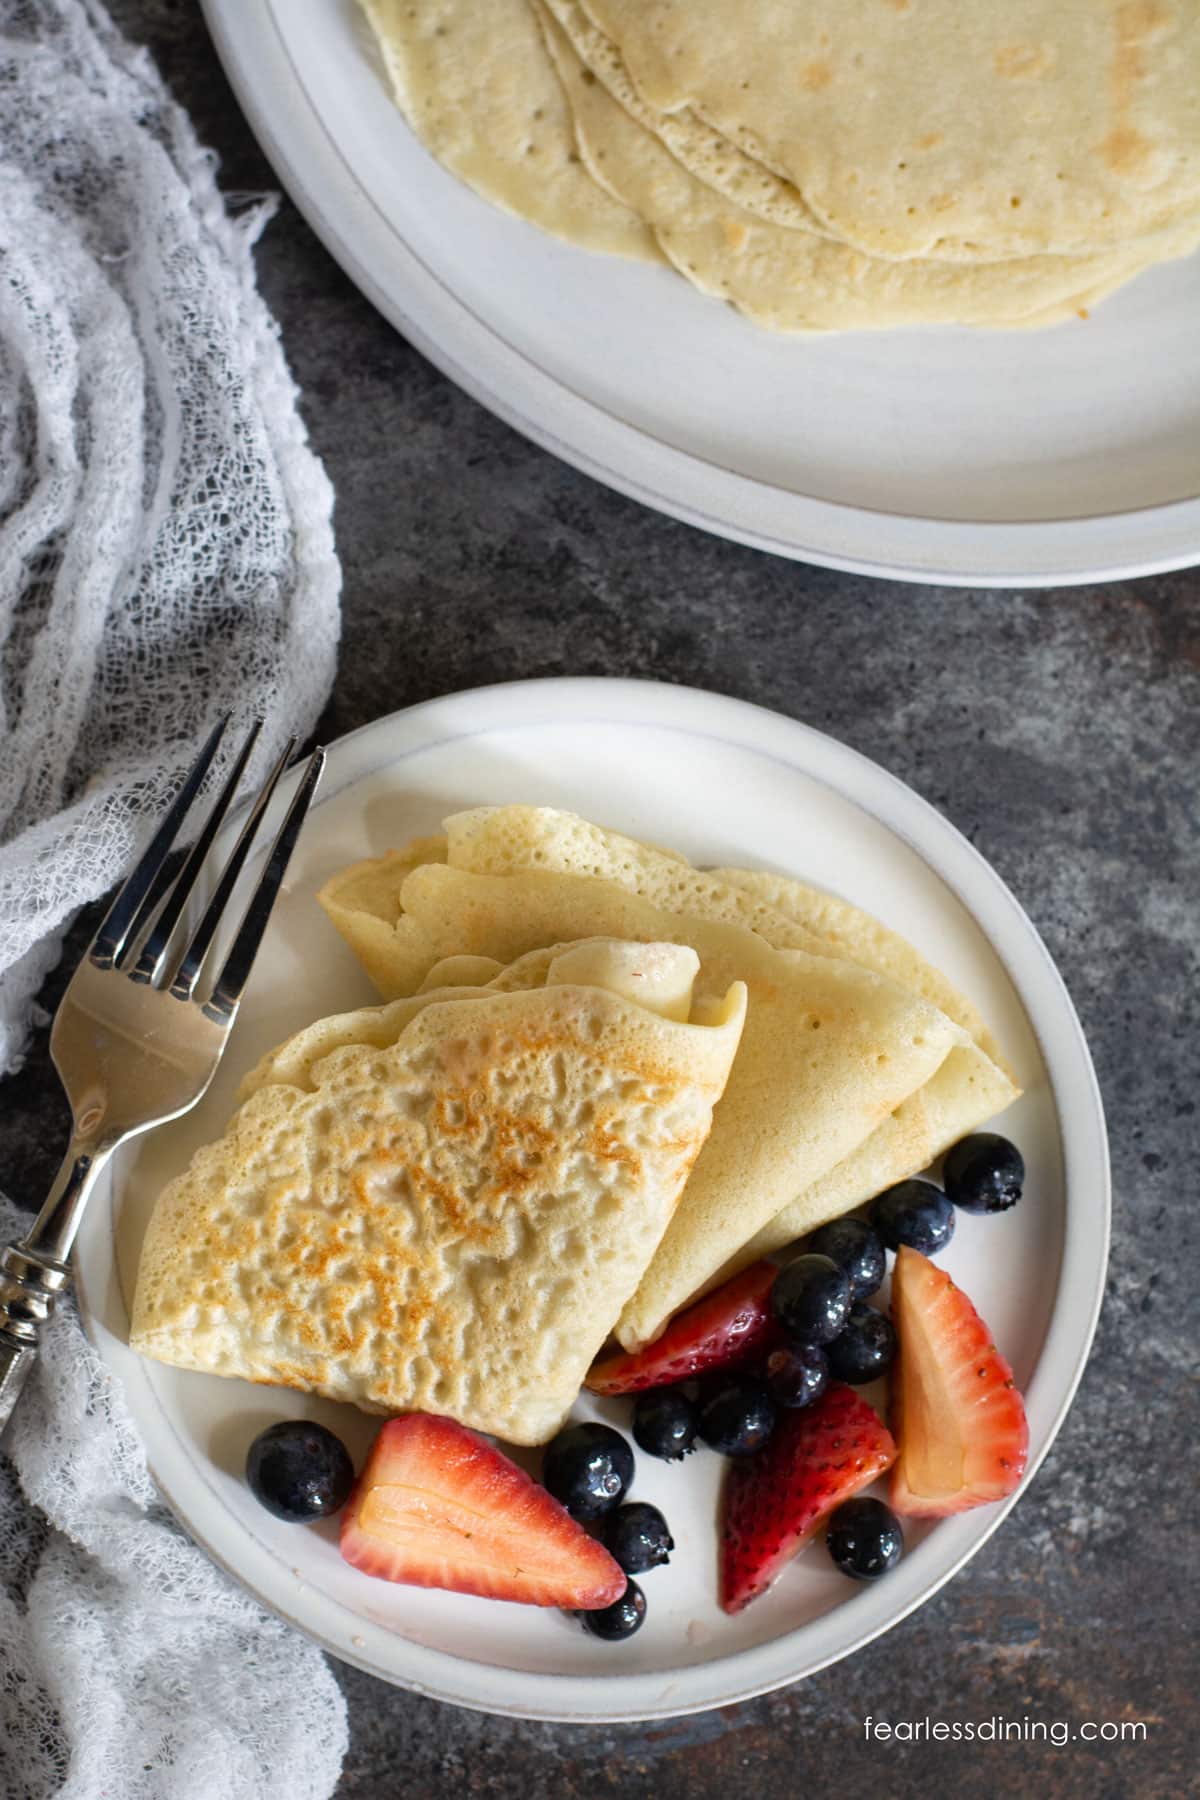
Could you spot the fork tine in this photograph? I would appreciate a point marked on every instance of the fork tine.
(188, 972)
(227, 991)
(154, 950)
(116, 925)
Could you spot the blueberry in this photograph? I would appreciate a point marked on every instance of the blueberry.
(856, 1250)
(865, 1350)
(299, 1470)
(621, 1619)
(811, 1299)
(587, 1468)
(984, 1173)
(637, 1536)
(915, 1213)
(738, 1416)
(797, 1376)
(865, 1539)
(664, 1423)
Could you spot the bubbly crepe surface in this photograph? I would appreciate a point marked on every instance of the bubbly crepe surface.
(440, 1207)
(828, 164)
(829, 1052)
(908, 122)
(793, 1144)
(794, 280)
(601, 1081)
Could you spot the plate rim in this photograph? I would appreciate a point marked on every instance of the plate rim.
(472, 354)
(1084, 1255)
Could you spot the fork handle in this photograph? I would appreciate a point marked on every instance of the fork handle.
(34, 1272)
(54, 1230)
(16, 1365)
(29, 1287)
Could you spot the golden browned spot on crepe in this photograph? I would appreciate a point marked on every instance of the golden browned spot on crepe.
(541, 875)
(815, 75)
(1127, 150)
(1144, 19)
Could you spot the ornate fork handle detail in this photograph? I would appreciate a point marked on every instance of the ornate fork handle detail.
(29, 1287)
(35, 1271)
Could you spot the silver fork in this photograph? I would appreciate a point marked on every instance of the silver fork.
(135, 1040)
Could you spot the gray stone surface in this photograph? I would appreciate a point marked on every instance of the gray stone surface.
(1060, 731)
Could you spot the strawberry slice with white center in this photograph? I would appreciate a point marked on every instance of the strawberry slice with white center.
(436, 1506)
(780, 1498)
(729, 1326)
(959, 1420)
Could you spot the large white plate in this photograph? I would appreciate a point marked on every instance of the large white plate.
(727, 783)
(940, 455)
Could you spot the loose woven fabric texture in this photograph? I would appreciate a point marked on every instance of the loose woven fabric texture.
(166, 554)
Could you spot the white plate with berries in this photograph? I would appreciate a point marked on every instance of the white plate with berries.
(758, 1590)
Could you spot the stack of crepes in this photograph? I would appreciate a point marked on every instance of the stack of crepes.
(603, 1080)
(827, 164)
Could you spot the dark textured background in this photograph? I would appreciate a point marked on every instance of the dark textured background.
(1060, 731)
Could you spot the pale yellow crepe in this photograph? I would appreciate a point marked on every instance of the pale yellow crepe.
(614, 171)
(363, 901)
(498, 840)
(704, 152)
(460, 971)
(444, 1206)
(968, 1086)
(476, 85)
(718, 162)
(960, 1096)
(791, 280)
(964, 1093)
(913, 126)
(829, 1052)
(659, 977)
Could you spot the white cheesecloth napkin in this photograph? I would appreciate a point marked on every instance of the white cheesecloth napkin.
(166, 553)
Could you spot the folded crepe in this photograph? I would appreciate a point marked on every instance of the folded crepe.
(830, 1049)
(973, 1085)
(502, 840)
(444, 1204)
(968, 1085)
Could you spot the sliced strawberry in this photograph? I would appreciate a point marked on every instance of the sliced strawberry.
(778, 1499)
(728, 1326)
(436, 1506)
(959, 1419)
